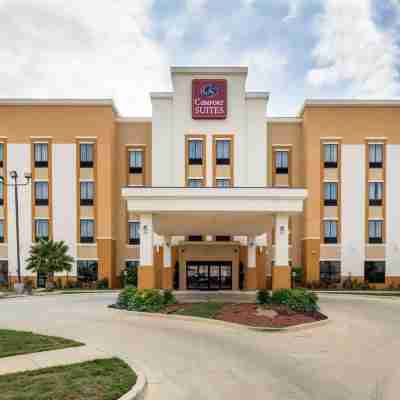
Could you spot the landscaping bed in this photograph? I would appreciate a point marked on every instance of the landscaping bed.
(273, 316)
(107, 379)
(19, 342)
(284, 308)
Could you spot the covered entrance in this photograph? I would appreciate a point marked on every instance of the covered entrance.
(208, 275)
(173, 214)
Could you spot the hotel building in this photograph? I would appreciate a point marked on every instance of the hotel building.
(208, 193)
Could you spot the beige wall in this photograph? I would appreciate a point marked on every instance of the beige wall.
(136, 133)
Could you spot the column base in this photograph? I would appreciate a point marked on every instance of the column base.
(167, 277)
(281, 277)
(146, 277)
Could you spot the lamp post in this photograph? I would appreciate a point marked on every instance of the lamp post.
(15, 184)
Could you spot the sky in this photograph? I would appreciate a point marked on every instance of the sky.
(295, 49)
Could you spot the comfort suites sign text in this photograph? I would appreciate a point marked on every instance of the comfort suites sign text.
(209, 100)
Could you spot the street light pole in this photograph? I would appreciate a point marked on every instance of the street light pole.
(14, 177)
(17, 226)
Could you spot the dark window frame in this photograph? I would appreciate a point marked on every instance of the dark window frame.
(131, 239)
(333, 273)
(195, 238)
(86, 163)
(377, 275)
(91, 275)
(86, 239)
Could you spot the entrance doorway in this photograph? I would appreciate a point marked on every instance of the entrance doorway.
(209, 275)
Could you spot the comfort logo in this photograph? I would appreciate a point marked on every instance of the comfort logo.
(209, 98)
(209, 90)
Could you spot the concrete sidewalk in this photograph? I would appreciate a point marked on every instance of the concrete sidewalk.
(53, 358)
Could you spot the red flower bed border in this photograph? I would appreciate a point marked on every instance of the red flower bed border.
(246, 314)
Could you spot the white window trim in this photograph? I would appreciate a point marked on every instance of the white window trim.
(222, 138)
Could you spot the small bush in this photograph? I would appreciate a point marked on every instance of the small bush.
(299, 300)
(102, 284)
(263, 296)
(125, 296)
(169, 297)
(131, 277)
(150, 300)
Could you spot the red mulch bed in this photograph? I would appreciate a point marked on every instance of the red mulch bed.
(246, 314)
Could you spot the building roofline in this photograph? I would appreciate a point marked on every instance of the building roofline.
(209, 70)
(59, 102)
(133, 120)
(285, 120)
(257, 95)
(348, 103)
(161, 95)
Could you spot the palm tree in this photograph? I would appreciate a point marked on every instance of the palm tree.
(48, 257)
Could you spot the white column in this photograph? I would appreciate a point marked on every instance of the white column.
(167, 251)
(146, 240)
(281, 240)
(251, 252)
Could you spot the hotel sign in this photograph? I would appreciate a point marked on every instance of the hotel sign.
(209, 99)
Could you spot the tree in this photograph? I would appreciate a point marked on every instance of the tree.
(48, 257)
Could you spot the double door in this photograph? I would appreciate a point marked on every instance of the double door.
(209, 275)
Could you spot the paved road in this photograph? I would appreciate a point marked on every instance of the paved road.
(356, 356)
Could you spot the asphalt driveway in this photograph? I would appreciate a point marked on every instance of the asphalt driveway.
(356, 356)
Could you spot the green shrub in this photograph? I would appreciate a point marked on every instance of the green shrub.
(150, 300)
(131, 276)
(169, 297)
(299, 300)
(125, 296)
(102, 284)
(263, 296)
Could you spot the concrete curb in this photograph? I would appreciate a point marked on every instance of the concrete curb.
(227, 324)
(138, 390)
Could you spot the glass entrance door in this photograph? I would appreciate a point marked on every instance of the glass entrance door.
(208, 275)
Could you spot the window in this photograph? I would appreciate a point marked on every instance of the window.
(1, 193)
(329, 271)
(86, 155)
(374, 271)
(1, 231)
(375, 193)
(223, 182)
(86, 193)
(195, 152)
(135, 161)
(130, 273)
(41, 193)
(134, 232)
(282, 162)
(3, 272)
(375, 231)
(330, 231)
(330, 198)
(1, 155)
(41, 155)
(87, 271)
(87, 231)
(42, 229)
(193, 182)
(330, 155)
(195, 238)
(223, 152)
(222, 238)
(375, 155)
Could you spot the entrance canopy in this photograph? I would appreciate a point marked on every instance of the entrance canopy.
(213, 211)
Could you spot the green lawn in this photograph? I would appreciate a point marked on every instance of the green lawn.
(93, 380)
(204, 310)
(18, 342)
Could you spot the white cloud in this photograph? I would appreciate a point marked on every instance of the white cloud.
(352, 50)
(53, 48)
(294, 9)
